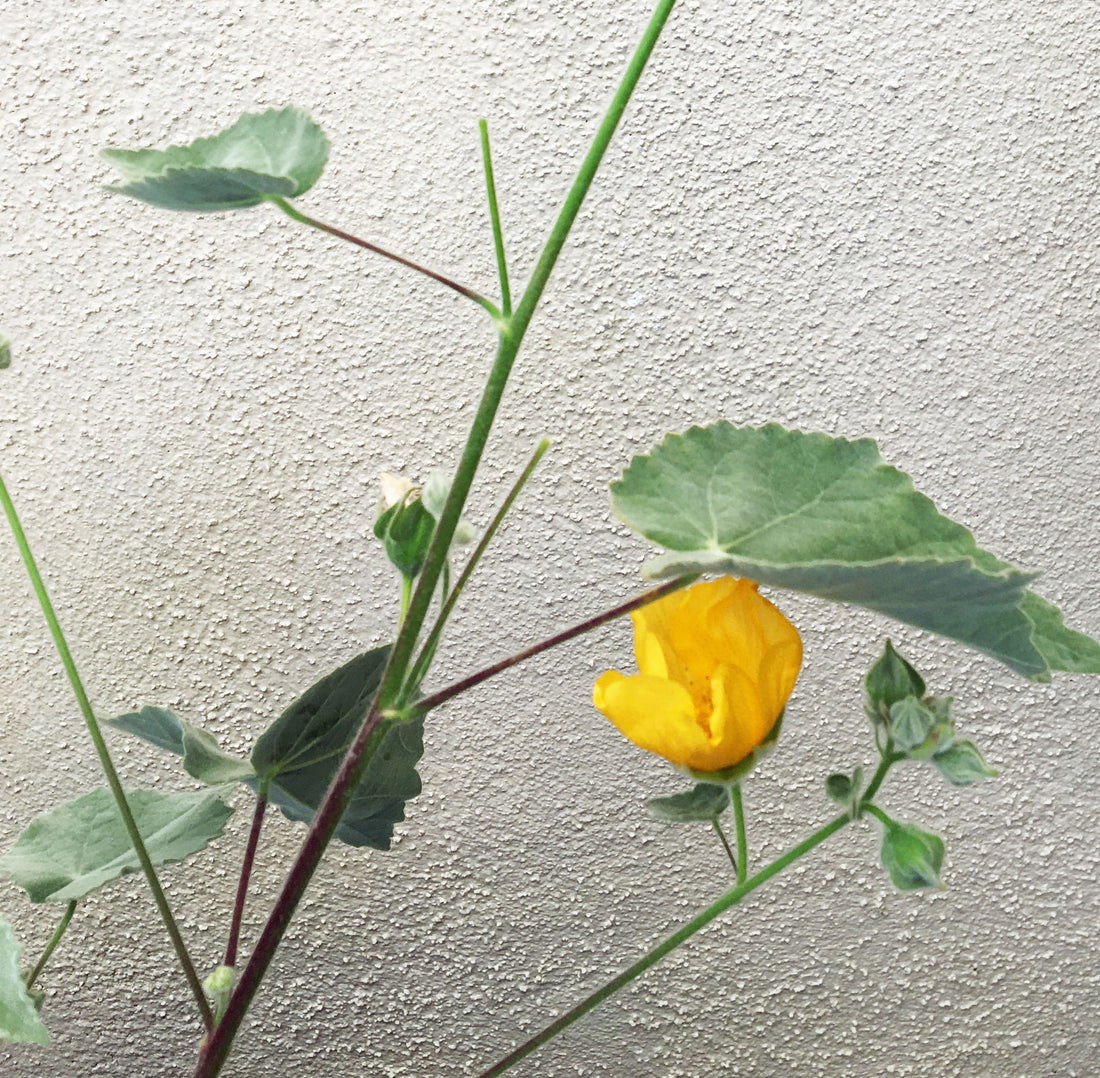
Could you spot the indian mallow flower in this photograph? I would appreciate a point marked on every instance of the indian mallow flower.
(716, 664)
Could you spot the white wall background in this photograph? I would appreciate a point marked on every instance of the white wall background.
(865, 218)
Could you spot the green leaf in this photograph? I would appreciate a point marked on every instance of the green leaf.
(281, 152)
(79, 846)
(913, 857)
(204, 760)
(704, 804)
(844, 789)
(962, 764)
(1062, 648)
(202, 757)
(824, 516)
(301, 751)
(19, 1019)
(5, 350)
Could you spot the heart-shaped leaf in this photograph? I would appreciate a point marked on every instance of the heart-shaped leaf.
(279, 153)
(19, 1019)
(301, 751)
(826, 516)
(77, 847)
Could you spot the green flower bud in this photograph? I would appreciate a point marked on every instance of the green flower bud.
(890, 680)
(912, 857)
(406, 529)
(962, 764)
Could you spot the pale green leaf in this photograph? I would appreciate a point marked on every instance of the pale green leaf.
(5, 350)
(79, 846)
(1062, 648)
(705, 803)
(281, 152)
(19, 1019)
(301, 751)
(203, 759)
(824, 516)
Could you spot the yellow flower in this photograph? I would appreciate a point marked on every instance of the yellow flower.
(716, 665)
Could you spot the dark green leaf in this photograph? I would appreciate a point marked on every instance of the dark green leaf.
(825, 516)
(704, 804)
(79, 846)
(281, 152)
(19, 1019)
(5, 350)
(300, 753)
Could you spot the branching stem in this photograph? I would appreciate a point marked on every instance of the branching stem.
(429, 703)
(730, 898)
(215, 1051)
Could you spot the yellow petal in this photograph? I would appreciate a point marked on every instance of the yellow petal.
(739, 722)
(656, 714)
(778, 673)
(652, 648)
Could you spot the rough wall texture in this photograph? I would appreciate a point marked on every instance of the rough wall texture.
(870, 219)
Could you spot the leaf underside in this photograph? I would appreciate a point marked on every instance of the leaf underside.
(281, 152)
(826, 516)
(19, 1019)
(79, 846)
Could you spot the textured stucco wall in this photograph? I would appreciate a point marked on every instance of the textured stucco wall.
(865, 218)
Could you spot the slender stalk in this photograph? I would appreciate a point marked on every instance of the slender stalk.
(878, 814)
(888, 760)
(55, 939)
(729, 850)
(339, 233)
(216, 1048)
(730, 898)
(420, 667)
(246, 874)
(429, 703)
(105, 761)
(742, 838)
(494, 214)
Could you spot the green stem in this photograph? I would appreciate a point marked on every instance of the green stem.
(423, 660)
(888, 760)
(726, 846)
(730, 898)
(406, 595)
(429, 703)
(494, 214)
(55, 939)
(879, 815)
(742, 838)
(104, 755)
(339, 233)
(215, 1051)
